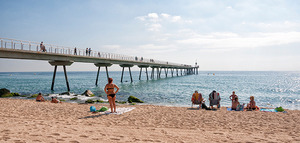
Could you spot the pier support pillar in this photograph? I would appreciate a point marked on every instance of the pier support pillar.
(99, 65)
(123, 67)
(166, 72)
(60, 63)
(141, 68)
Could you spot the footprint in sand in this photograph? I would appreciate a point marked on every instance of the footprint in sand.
(219, 133)
(74, 141)
(61, 140)
(56, 134)
(115, 139)
(37, 141)
(83, 136)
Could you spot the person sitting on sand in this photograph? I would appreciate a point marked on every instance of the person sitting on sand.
(197, 98)
(55, 100)
(252, 104)
(214, 99)
(235, 103)
(40, 98)
(232, 97)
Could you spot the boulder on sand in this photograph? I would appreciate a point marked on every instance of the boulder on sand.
(134, 99)
(4, 92)
(88, 93)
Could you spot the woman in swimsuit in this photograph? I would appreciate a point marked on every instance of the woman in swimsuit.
(111, 94)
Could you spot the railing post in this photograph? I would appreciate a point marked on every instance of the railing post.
(29, 47)
(12, 44)
(21, 46)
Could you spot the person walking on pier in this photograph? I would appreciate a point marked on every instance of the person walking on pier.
(43, 48)
(111, 94)
(90, 49)
(86, 51)
(75, 51)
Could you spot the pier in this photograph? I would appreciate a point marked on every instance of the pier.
(65, 56)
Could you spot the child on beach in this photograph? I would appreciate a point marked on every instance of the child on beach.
(251, 105)
(55, 100)
(232, 97)
(40, 98)
(235, 103)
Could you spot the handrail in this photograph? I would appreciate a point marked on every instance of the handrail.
(50, 48)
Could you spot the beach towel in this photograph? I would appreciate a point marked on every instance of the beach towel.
(120, 110)
(270, 110)
(229, 109)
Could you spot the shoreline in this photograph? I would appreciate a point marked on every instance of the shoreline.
(142, 104)
(30, 121)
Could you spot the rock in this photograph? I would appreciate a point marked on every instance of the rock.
(75, 98)
(4, 92)
(88, 93)
(15, 94)
(65, 93)
(89, 101)
(134, 99)
(33, 96)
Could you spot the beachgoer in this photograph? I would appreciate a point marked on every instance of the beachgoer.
(90, 49)
(55, 100)
(214, 99)
(86, 51)
(42, 47)
(235, 103)
(111, 94)
(197, 98)
(251, 105)
(99, 54)
(232, 97)
(75, 51)
(40, 98)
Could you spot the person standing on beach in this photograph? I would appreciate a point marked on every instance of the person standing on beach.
(111, 94)
(233, 96)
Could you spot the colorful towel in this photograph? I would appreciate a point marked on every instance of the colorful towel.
(229, 109)
(267, 110)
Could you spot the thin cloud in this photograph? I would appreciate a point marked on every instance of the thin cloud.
(154, 21)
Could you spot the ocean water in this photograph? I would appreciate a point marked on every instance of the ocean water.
(270, 89)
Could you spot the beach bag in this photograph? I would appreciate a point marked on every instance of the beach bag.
(240, 107)
(279, 109)
(92, 108)
(102, 109)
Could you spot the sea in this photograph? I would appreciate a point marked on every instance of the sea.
(270, 89)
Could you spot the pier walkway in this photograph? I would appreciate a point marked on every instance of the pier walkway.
(65, 56)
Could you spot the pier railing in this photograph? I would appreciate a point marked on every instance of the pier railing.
(54, 49)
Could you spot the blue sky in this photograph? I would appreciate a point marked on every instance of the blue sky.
(247, 35)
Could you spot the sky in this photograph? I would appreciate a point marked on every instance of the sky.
(220, 35)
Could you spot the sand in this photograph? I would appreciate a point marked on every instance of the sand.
(30, 121)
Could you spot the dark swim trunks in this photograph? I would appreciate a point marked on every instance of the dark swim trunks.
(38, 100)
(112, 95)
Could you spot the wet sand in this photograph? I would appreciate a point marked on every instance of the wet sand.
(30, 121)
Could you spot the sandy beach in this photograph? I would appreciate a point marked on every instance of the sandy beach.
(30, 121)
